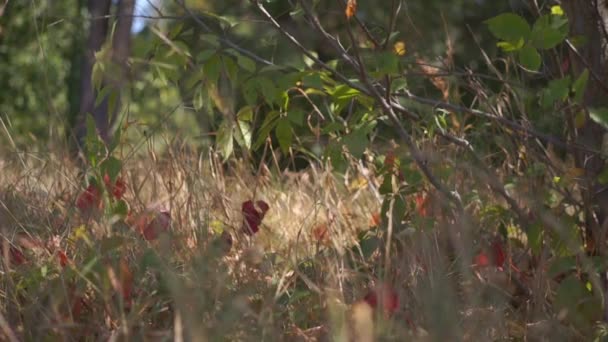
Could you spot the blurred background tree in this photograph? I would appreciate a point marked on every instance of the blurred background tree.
(48, 49)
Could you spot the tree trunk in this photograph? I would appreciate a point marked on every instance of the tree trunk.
(121, 49)
(99, 11)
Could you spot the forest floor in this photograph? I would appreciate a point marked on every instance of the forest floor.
(184, 247)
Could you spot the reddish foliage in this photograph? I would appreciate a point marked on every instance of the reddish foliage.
(160, 223)
(499, 254)
(351, 8)
(422, 204)
(481, 260)
(321, 233)
(497, 258)
(90, 199)
(150, 224)
(117, 189)
(389, 159)
(63, 258)
(15, 256)
(253, 216)
(126, 280)
(385, 297)
(78, 304)
(375, 220)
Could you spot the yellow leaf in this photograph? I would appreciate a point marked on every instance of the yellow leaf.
(579, 119)
(357, 183)
(399, 48)
(351, 8)
(557, 10)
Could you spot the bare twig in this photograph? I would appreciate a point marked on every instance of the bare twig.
(223, 40)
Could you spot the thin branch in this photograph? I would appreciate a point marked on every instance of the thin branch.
(226, 41)
(395, 9)
(592, 72)
(364, 28)
(503, 121)
(490, 178)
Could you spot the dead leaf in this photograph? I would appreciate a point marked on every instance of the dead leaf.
(351, 8)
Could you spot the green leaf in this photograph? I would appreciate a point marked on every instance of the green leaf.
(111, 166)
(268, 90)
(387, 185)
(535, 237)
(115, 139)
(205, 55)
(198, 100)
(387, 63)
(557, 90)
(120, 208)
(312, 80)
(369, 244)
(411, 176)
(548, 32)
(284, 134)
(509, 27)
(250, 92)
(270, 122)
(398, 84)
(562, 265)
(343, 92)
(511, 46)
(602, 178)
(212, 39)
(333, 151)
(102, 94)
(580, 85)
(213, 69)
(231, 68)
(246, 63)
(296, 116)
(356, 143)
(599, 115)
(569, 293)
(245, 114)
(529, 58)
(225, 140)
(94, 145)
(243, 136)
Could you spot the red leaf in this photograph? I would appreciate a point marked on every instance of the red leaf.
(389, 299)
(90, 199)
(422, 204)
(63, 258)
(481, 260)
(375, 220)
(117, 189)
(321, 234)
(499, 254)
(252, 216)
(126, 280)
(389, 159)
(160, 223)
(16, 257)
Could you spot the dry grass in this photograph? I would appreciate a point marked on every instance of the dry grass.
(290, 281)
